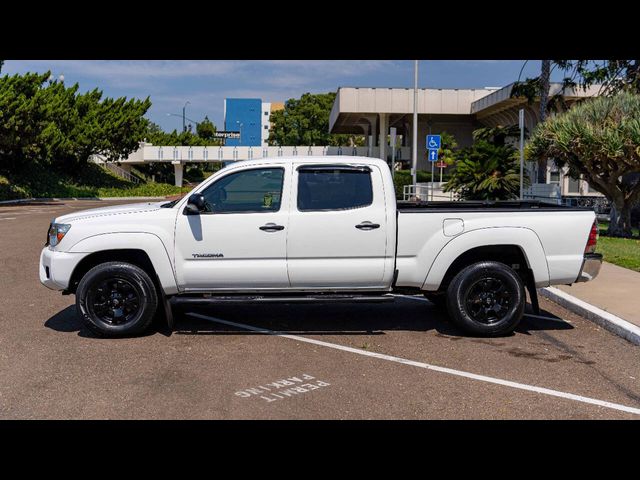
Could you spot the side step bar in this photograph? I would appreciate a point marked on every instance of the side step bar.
(240, 299)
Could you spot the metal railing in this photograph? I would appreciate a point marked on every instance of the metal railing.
(115, 169)
(423, 193)
(162, 153)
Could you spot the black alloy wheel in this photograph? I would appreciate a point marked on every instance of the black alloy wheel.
(486, 299)
(116, 299)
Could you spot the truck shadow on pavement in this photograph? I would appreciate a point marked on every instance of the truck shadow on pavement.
(343, 319)
(327, 319)
(68, 321)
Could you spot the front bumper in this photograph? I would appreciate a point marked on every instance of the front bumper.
(56, 268)
(590, 267)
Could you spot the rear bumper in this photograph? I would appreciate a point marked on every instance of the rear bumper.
(590, 267)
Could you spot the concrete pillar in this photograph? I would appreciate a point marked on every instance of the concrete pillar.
(177, 171)
(384, 130)
(372, 134)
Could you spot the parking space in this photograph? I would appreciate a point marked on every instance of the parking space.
(399, 360)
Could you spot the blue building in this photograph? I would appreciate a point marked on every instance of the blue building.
(244, 115)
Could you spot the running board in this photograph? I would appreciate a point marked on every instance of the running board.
(240, 299)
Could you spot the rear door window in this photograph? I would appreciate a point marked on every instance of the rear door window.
(334, 188)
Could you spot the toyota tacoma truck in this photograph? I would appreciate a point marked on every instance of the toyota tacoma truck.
(305, 229)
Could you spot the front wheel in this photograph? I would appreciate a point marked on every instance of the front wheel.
(486, 299)
(116, 299)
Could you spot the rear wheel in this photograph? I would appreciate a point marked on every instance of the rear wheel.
(486, 299)
(116, 299)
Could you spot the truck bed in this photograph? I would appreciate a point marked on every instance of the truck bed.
(552, 237)
(474, 206)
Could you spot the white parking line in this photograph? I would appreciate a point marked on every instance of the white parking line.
(7, 218)
(450, 371)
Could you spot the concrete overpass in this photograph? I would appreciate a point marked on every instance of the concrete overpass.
(179, 155)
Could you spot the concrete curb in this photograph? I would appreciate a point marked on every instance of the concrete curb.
(607, 320)
(51, 199)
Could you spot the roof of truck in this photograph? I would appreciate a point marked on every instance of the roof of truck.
(329, 159)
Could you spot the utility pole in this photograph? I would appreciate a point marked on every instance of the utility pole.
(521, 118)
(414, 157)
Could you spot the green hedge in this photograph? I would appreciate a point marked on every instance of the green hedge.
(89, 181)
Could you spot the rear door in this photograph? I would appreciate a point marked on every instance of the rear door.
(338, 228)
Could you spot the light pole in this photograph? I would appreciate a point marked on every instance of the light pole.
(240, 125)
(183, 119)
(414, 156)
(184, 127)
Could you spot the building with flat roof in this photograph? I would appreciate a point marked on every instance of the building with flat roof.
(252, 118)
(373, 111)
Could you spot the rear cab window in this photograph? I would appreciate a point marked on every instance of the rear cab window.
(333, 187)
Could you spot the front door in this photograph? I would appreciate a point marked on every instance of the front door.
(337, 228)
(239, 242)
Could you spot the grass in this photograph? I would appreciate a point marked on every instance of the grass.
(624, 252)
(603, 226)
(88, 181)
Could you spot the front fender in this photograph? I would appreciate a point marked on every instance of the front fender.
(150, 243)
(524, 238)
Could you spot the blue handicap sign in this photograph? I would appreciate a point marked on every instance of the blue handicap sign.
(433, 142)
(433, 155)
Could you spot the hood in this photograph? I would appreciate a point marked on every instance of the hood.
(115, 210)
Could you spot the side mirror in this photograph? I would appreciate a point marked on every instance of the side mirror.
(195, 204)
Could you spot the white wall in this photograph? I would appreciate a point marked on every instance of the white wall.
(266, 109)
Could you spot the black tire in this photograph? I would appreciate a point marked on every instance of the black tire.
(486, 299)
(116, 299)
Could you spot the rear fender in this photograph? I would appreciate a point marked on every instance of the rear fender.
(522, 237)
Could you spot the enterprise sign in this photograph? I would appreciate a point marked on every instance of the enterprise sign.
(223, 134)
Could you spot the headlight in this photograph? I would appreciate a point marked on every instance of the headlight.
(57, 231)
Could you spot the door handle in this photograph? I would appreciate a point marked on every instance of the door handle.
(368, 226)
(271, 227)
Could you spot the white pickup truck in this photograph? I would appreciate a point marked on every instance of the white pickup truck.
(304, 229)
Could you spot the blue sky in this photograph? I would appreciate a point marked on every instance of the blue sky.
(206, 83)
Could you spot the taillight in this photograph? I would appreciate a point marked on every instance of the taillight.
(593, 238)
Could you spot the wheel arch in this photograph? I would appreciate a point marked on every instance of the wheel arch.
(149, 254)
(511, 246)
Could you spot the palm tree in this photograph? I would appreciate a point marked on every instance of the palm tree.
(490, 169)
(600, 140)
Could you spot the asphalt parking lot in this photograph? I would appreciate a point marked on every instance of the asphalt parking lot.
(399, 360)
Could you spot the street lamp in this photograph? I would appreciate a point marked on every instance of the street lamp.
(184, 127)
(240, 125)
(183, 119)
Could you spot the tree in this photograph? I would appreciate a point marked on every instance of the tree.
(600, 140)
(206, 129)
(305, 121)
(612, 75)
(448, 146)
(489, 170)
(50, 123)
